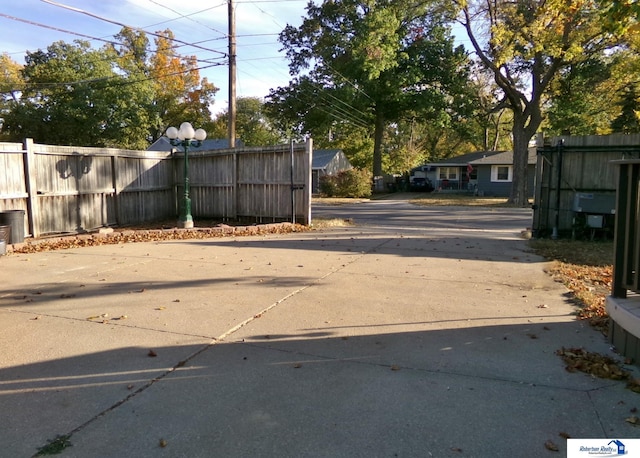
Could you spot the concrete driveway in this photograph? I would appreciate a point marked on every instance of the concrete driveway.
(417, 332)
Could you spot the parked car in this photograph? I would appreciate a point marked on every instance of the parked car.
(419, 184)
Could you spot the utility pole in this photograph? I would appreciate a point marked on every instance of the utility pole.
(232, 76)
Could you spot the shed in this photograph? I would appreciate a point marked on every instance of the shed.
(487, 173)
(209, 144)
(327, 162)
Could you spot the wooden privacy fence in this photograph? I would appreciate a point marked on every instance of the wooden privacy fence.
(576, 181)
(64, 189)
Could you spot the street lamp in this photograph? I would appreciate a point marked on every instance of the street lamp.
(186, 137)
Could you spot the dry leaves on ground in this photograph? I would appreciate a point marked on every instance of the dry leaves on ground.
(132, 235)
(585, 268)
(601, 366)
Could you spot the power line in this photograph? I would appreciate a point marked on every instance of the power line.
(126, 82)
(57, 29)
(78, 10)
(183, 16)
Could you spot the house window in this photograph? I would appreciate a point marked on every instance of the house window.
(501, 172)
(448, 173)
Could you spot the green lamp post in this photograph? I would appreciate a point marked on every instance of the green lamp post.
(186, 137)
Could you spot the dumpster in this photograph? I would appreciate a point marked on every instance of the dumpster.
(14, 219)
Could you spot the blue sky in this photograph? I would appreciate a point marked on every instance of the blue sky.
(260, 64)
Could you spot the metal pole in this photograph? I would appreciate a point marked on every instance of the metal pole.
(293, 189)
(186, 220)
(232, 76)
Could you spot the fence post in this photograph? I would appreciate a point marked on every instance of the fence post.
(30, 186)
(307, 180)
(235, 187)
(116, 189)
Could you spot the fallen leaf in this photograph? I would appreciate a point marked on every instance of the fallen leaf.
(395, 368)
(152, 354)
(633, 420)
(35, 318)
(578, 359)
(549, 445)
(161, 308)
(130, 387)
(162, 443)
(297, 365)
(543, 306)
(456, 449)
(564, 435)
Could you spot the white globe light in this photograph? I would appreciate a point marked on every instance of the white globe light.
(172, 133)
(200, 134)
(186, 131)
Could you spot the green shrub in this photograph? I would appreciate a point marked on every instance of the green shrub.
(348, 183)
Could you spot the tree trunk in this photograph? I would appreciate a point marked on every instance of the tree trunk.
(377, 143)
(519, 192)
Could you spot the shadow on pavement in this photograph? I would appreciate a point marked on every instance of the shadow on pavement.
(319, 392)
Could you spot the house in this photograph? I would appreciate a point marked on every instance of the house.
(487, 173)
(327, 162)
(209, 144)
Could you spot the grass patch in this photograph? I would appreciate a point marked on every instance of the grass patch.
(586, 269)
(337, 201)
(56, 446)
(444, 199)
(320, 223)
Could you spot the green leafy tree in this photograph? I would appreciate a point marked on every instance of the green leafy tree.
(117, 96)
(628, 121)
(369, 63)
(580, 101)
(180, 93)
(66, 96)
(527, 43)
(11, 84)
(253, 126)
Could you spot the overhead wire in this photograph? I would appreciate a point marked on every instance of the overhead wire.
(333, 106)
(184, 16)
(111, 21)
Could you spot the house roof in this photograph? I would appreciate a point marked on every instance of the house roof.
(322, 157)
(162, 144)
(484, 158)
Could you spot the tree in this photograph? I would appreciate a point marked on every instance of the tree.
(11, 84)
(581, 99)
(527, 43)
(369, 63)
(64, 100)
(117, 96)
(628, 121)
(180, 93)
(252, 125)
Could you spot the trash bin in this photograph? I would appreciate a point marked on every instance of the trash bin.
(5, 236)
(14, 219)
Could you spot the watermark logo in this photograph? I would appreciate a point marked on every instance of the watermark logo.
(629, 448)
